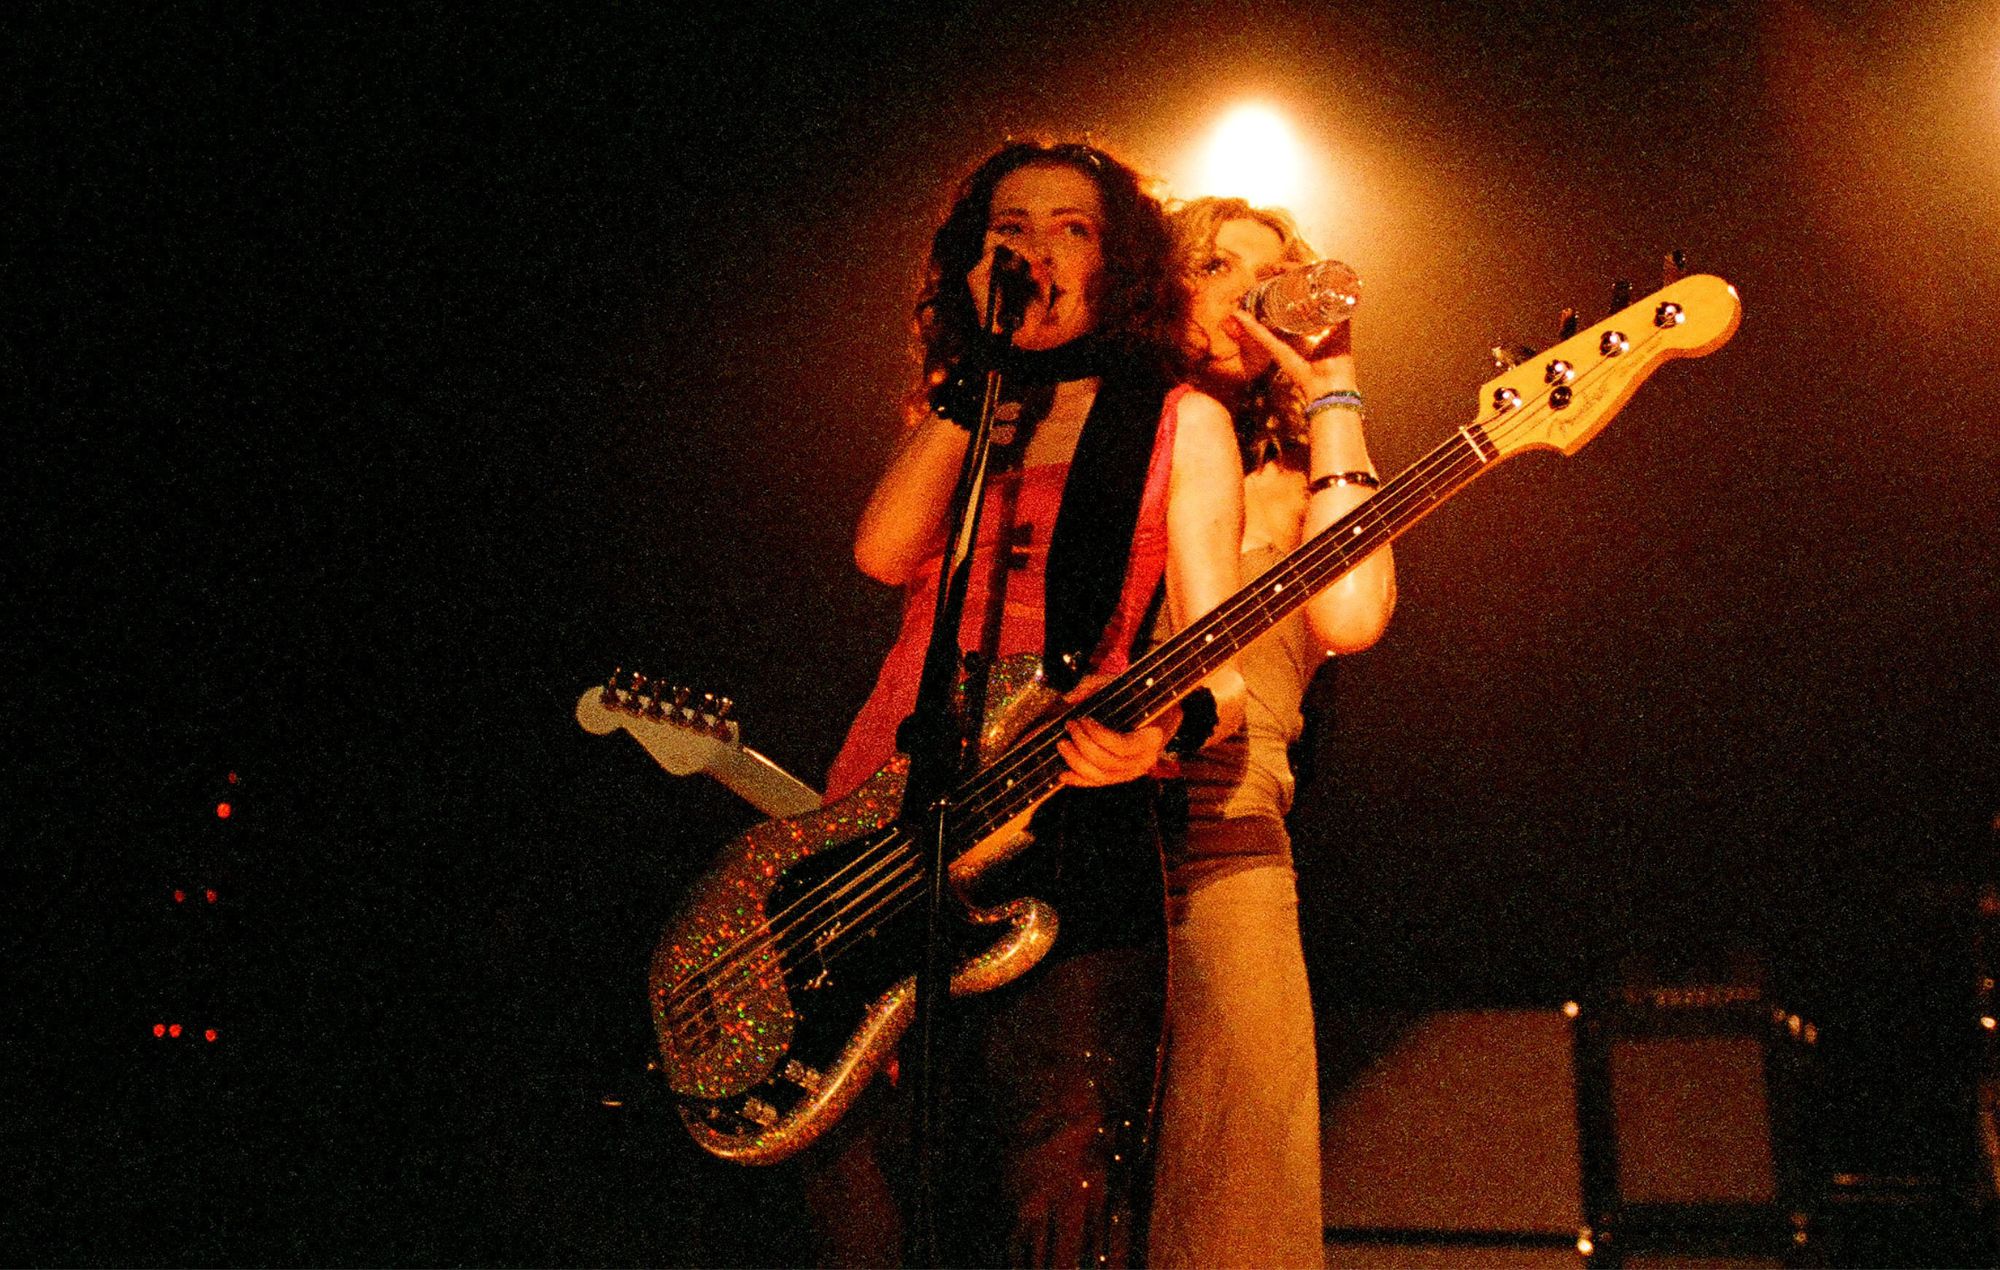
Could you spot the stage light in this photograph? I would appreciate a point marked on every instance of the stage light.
(208, 1034)
(224, 811)
(1252, 154)
(159, 1029)
(174, 1030)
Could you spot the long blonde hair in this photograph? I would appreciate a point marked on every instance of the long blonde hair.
(1270, 410)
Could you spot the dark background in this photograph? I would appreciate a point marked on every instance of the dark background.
(376, 379)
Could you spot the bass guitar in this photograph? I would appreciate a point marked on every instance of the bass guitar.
(787, 976)
(686, 734)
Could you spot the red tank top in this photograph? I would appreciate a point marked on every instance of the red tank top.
(1012, 553)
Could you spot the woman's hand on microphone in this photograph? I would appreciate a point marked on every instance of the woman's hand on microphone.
(980, 280)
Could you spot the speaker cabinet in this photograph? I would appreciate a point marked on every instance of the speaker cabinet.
(1690, 1148)
(1654, 1128)
(1457, 1145)
(1691, 1120)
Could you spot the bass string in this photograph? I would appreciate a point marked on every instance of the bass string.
(749, 942)
(885, 890)
(1176, 661)
(1180, 659)
(1039, 751)
(993, 786)
(706, 976)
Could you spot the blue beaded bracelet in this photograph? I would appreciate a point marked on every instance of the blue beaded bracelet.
(1338, 399)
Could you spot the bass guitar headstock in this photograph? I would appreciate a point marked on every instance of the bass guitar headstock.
(684, 731)
(1562, 398)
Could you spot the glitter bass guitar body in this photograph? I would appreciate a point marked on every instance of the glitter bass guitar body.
(788, 975)
(786, 979)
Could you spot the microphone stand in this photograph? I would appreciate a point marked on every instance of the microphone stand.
(940, 752)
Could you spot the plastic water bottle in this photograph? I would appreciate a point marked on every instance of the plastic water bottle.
(1308, 301)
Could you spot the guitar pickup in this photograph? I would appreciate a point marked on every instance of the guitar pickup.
(804, 1077)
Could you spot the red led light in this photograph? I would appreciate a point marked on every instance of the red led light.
(209, 895)
(209, 1036)
(174, 1030)
(180, 896)
(232, 778)
(159, 1029)
(223, 811)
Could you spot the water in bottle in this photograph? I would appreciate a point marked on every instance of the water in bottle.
(1307, 302)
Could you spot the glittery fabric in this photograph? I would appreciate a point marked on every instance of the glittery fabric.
(1047, 1093)
(1049, 1078)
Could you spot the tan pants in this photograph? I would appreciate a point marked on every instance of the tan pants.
(1237, 1179)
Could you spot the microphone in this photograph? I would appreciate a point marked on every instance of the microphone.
(1306, 302)
(1011, 290)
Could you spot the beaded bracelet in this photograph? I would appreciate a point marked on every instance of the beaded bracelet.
(1338, 399)
(1364, 480)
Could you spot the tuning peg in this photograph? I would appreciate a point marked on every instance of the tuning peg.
(723, 705)
(1673, 268)
(1504, 360)
(653, 710)
(634, 696)
(1621, 295)
(610, 694)
(1569, 324)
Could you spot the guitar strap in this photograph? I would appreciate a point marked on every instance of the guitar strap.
(1092, 541)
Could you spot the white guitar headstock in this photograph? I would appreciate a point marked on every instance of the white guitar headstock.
(1562, 398)
(681, 729)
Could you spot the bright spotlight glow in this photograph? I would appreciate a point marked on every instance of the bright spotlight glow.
(1252, 154)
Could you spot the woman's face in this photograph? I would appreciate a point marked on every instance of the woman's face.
(1244, 253)
(1053, 216)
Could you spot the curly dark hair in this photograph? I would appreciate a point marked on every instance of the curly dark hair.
(1142, 304)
